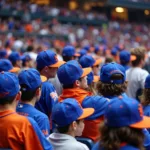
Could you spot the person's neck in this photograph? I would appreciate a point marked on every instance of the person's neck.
(32, 102)
(8, 107)
(71, 134)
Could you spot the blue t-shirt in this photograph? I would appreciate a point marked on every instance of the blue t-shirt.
(147, 113)
(41, 119)
(48, 98)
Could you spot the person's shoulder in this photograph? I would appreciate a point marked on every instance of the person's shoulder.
(39, 114)
(47, 84)
(129, 147)
(78, 146)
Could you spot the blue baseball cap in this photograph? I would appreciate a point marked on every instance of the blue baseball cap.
(82, 52)
(147, 82)
(89, 61)
(125, 111)
(110, 69)
(91, 78)
(14, 56)
(71, 71)
(69, 51)
(125, 56)
(69, 110)
(48, 58)
(86, 47)
(31, 77)
(9, 84)
(3, 54)
(6, 65)
(114, 51)
(25, 58)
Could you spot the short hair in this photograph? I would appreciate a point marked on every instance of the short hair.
(112, 137)
(108, 59)
(67, 58)
(8, 100)
(145, 98)
(139, 52)
(110, 89)
(30, 48)
(65, 129)
(27, 95)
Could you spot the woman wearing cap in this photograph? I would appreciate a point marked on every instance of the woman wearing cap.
(122, 127)
(69, 119)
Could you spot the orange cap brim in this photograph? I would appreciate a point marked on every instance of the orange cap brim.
(77, 54)
(58, 64)
(86, 71)
(96, 78)
(43, 78)
(145, 123)
(133, 57)
(97, 62)
(15, 69)
(86, 113)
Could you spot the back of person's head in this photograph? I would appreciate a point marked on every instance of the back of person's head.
(139, 53)
(30, 82)
(9, 88)
(123, 123)
(112, 80)
(70, 72)
(30, 48)
(69, 112)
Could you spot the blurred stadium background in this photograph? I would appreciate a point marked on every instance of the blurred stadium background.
(55, 23)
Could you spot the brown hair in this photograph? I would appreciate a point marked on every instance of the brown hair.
(139, 52)
(111, 138)
(145, 98)
(92, 88)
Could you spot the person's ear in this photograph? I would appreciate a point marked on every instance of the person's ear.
(77, 83)
(18, 96)
(74, 125)
(38, 91)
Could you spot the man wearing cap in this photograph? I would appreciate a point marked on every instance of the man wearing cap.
(89, 61)
(69, 53)
(15, 59)
(74, 81)
(30, 83)
(47, 65)
(17, 132)
(6, 65)
(69, 119)
(125, 58)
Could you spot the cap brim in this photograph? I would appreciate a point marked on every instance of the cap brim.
(86, 71)
(58, 64)
(77, 55)
(96, 78)
(133, 57)
(145, 123)
(86, 113)
(43, 78)
(97, 62)
(15, 69)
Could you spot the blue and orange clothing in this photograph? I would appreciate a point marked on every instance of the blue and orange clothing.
(48, 98)
(41, 119)
(21, 133)
(86, 99)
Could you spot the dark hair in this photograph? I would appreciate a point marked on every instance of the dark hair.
(139, 52)
(8, 100)
(30, 48)
(122, 62)
(65, 129)
(27, 95)
(111, 138)
(145, 98)
(108, 60)
(110, 89)
(68, 58)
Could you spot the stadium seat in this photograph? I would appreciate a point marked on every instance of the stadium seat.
(86, 141)
(5, 149)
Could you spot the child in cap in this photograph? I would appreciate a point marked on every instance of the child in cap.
(47, 65)
(69, 53)
(74, 81)
(123, 126)
(69, 119)
(15, 59)
(112, 80)
(17, 132)
(30, 83)
(27, 62)
(136, 75)
(89, 61)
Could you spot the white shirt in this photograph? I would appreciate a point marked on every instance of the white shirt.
(136, 79)
(65, 142)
